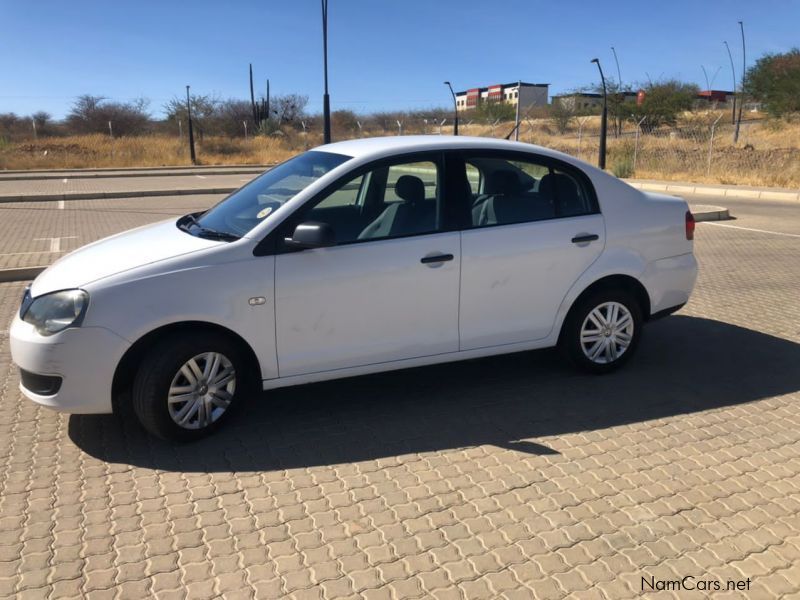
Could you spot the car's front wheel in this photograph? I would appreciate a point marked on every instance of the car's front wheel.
(188, 384)
(602, 331)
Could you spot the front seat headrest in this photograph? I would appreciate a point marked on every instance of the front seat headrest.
(410, 188)
(503, 182)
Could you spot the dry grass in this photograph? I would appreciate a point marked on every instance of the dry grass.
(93, 151)
(767, 154)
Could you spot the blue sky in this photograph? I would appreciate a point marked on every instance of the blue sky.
(383, 54)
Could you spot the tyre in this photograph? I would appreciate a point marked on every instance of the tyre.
(602, 331)
(188, 384)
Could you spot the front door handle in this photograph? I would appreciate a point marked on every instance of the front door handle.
(436, 258)
(585, 237)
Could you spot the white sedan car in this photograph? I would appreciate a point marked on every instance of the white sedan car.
(356, 257)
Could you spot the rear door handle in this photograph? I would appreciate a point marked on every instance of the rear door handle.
(583, 238)
(436, 258)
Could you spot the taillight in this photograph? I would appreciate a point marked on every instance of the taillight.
(690, 224)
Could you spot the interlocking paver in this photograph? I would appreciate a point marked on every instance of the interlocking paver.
(435, 482)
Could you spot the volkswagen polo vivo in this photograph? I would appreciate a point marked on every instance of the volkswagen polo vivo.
(356, 257)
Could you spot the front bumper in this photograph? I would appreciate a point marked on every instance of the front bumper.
(85, 359)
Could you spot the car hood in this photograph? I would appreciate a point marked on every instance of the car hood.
(118, 253)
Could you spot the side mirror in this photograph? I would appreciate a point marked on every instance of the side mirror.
(311, 234)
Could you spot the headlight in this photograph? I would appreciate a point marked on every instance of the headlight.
(55, 312)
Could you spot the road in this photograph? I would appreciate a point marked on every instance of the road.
(504, 477)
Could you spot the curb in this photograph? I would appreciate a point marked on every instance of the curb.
(78, 175)
(704, 190)
(20, 274)
(200, 168)
(702, 212)
(121, 194)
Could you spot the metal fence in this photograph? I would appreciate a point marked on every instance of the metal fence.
(702, 150)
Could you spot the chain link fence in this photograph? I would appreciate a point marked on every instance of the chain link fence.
(701, 150)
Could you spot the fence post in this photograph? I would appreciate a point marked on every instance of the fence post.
(711, 145)
(636, 143)
(581, 123)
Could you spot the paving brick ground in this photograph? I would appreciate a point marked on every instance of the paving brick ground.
(27, 228)
(507, 477)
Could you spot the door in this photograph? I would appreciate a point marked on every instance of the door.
(388, 289)
(534, 229)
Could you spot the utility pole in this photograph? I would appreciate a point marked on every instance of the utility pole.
(326, 100)
(741, 100)
(733, 73)
(191, 130)
(603, 119)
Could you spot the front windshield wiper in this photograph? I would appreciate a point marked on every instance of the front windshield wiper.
(207, 231)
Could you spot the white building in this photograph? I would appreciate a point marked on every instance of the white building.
(526, 94)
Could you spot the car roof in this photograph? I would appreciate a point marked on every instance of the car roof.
(378, 147)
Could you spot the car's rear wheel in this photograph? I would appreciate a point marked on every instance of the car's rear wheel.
(188, 385)
(602, 331)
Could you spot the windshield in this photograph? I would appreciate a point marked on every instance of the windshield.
(250, 205)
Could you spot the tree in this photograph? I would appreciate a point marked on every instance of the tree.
(9, 125)
(774, 80)
(230, 116)
(561, 116)
(493, 110)
(91, 114)
(344, 122)
(618, 105)
(664, 102)
(289, 108)
(204, 110)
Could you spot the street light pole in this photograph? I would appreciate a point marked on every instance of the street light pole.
(741, 100)
(603, 119)
(326, 100)
(620, 97)
(455, 108)
(733, 73)
(619, 75)
(191, 131)
(516, 115)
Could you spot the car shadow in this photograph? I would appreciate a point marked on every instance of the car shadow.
(685, 364)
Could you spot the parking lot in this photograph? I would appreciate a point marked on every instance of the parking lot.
(504, 477)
